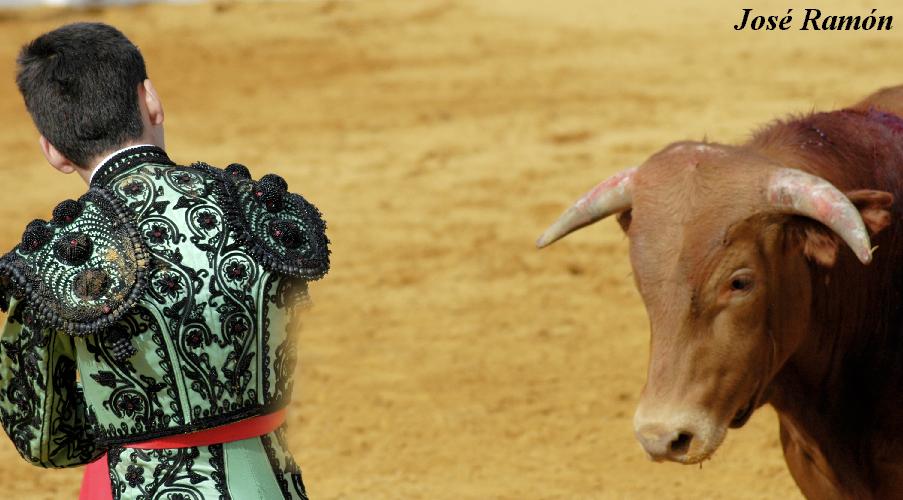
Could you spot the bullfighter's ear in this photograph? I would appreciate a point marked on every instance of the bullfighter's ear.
(874, 207)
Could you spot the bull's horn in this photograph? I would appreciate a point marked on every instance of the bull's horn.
(609, 197)
(794, 191)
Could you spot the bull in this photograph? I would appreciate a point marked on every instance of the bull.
(771, 272)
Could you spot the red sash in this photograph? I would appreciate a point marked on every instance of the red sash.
(96, 482)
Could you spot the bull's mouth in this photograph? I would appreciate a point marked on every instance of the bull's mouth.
(742, 415)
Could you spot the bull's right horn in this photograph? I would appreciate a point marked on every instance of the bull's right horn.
(797, 192)
(609, 197)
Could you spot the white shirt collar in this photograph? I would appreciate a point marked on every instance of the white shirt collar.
(111, 155)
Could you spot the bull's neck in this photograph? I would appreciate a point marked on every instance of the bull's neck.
(852, 354)
(841, 387)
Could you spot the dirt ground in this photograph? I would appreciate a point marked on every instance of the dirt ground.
(445, 357)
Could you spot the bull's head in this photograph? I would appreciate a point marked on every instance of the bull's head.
(722, 244)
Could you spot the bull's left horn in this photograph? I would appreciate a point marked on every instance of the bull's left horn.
(794, 191)
(609, 197)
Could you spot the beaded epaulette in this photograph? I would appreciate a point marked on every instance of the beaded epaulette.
(87, 267)
(82, 270)
(283, 232)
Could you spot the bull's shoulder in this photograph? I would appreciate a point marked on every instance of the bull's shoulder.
(851, 148)
(888, 100)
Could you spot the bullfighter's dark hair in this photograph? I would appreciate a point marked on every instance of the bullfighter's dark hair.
(80, 85)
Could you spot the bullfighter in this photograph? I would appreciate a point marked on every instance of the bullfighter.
(171, 290)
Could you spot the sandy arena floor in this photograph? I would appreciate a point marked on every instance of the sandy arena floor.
(445, 358)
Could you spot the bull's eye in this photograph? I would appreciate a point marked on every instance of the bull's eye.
(741, 283)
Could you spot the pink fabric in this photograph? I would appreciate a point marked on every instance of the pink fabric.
(96, 481)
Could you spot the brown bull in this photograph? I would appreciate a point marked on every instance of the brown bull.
(772, 272)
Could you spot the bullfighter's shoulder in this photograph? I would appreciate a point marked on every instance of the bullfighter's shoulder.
(283, 231)
(80, 271)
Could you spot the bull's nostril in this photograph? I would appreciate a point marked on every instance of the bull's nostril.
(681, 444)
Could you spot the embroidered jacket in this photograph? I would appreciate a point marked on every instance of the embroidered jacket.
(170, 289)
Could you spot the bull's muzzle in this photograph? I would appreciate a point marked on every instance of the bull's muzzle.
(680, 436)
(662, 443)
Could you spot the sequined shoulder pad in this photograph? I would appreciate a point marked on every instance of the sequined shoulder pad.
(82, 270)
(284, 232)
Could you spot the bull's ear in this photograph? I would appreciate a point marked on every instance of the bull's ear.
(819, 244)
(874, 207)
(624, 219)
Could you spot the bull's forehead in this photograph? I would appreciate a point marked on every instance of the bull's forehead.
(685, 199)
